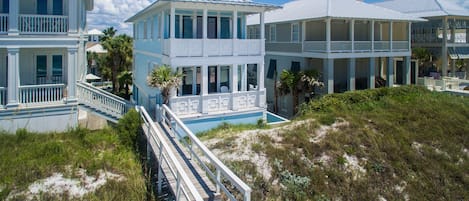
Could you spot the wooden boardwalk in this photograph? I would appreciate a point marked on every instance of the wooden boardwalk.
(197, 175)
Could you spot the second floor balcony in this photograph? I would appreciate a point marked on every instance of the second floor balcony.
(35, 24)
(355, 46)
(212, 47)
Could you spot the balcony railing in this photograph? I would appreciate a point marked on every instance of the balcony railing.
(41, 93)
(3, 96)
(3, 23)
(188, 105)
(101, 100)
(358, 46)
(211, 47)
(39, 24)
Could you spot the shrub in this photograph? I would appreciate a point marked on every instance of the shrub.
(128, 128)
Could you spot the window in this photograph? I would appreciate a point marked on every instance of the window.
(6, 6)
(240, 30)
(295, 32)
(272, 69)
(57, 68)
(273, 32)
(187, 27)
(240, 76)
(253, 32)
(295, 66)
(145, 30)
(199, 26)
(41, 69)
(212, 79)
(57, 7)
(41, 7)
(212, 27)
(225, 79)
(177, 26)
(187, 81)
(225, 31)
(252, 77)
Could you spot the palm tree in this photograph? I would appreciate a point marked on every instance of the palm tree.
(164, 79)
(125, 79)
(119, 56)
(298, 83)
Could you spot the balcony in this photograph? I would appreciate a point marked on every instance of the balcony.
(42, 24)
(216, 103)
(355, 46)
(211, 47)
(36, 94)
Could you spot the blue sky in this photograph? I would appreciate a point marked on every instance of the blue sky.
(108, 13)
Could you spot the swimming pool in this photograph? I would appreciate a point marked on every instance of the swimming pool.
(202, 124)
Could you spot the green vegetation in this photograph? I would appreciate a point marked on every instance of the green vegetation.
(28, 157)
(402, 143)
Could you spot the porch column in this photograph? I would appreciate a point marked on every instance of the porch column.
(260, 85)
(218, 25)
(14, 10)
(262, 36)
(194, 24)
(390, 36)
(372, 34)
(390, 72)
(407, 74)
(234, 85)
(352, 34)
(444, 48)
(244, 73)
(204, 91)
(13, 77)
(71, 73)
(328, 35)
(371, 73)
(328, 74)
(409, 36)
(351, 74)
(235, 32)
(204, 31)
(172, 23)
(73, 16)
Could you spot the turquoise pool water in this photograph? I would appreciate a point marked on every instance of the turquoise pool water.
(204, 124)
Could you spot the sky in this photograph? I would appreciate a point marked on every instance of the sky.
(108, 13)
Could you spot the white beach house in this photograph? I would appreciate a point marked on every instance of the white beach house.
(445, 18)
(351, 43)
(205, 40)
(42, 55)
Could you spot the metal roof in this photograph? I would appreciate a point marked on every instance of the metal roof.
(426, 8)
(225, 2)
(317, 9)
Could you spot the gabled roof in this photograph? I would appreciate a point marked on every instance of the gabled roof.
(426, 8)
(95, 47)
(226, 2)
(95, 32)
(317, 9)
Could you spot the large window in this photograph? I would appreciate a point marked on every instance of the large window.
(187, 27)
(6, 6)
(295, 32)
(191, 81)
(41, 69)
(57, 66)
(41, 7)
(212, 27)
(225, 31)
(212, 79)
(224, 79)
(252, 77)
(273, 32)
(57, 7)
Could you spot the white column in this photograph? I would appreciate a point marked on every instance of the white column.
(407, 73)
(262, 24)
(13, 77)
(14, 10)
(260, 75)
(390, 72)
(72, 16)
(303, 34)
(194, 24)
(234, 78)
(328, 74)
(390, 36)
(204, 91)
(235, 32)
(172, 21)
(409, 36)
(444, 48)
(328, 35)
(371, 73)
(244, 73)
(218, 25)
(204, 31)
(72, 58)
(372, 35)
(352, 34)
(351, 74)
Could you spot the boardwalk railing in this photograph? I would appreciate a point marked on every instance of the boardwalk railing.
(41, 93)
(3, 96)
(43, 24)
(222, 173)
(165, 157)
(101, 100)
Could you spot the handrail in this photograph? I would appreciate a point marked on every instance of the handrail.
(102, 100)
(167, 156)
(221, 169)
(41, 93)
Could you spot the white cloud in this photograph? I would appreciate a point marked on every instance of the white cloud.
(107, 13)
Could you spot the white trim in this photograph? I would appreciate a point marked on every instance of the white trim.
(292, 33)
(272, 37)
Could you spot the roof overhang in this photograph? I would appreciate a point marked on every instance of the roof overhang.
(185, 4)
